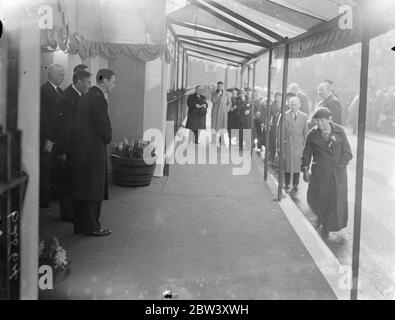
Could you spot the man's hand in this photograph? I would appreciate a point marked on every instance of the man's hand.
(306, 176)
(48, 145)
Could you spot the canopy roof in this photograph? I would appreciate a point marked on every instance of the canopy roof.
(237, 31)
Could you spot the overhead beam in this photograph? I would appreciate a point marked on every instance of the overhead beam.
(203, 38)
(234, 24)
(217, 45)
(215, 32)
(216, 61)
(213, 55)
(215, 49)
(245, 20)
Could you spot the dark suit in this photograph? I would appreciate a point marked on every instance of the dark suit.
(334, 105)
(48, 114)
(92, 134)
(244, 119)
(196, 117)
(65, 126)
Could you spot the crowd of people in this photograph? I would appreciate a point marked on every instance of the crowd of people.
(380, 116)
(314, 142)
(75, 130)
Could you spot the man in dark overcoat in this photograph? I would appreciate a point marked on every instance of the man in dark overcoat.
(49, 96)
(328, 152)
(330, 101)
(93, 133)
(65, 127)
(197, 110)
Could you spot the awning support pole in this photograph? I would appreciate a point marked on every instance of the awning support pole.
(177, 66)
(360, 162)
(183, 72)
(253, 107)
(248, 76)
(226, 77)
(268, 114)
(282, 123)
(186, 70)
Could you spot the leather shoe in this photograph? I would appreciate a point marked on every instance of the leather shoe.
(98, 233)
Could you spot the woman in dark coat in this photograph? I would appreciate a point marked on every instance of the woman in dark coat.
(232, 114)
(244, 116)
(197, 110)
(328, 148)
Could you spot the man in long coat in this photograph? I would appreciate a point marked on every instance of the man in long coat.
(93, 133)
(197, 110)
(330, 101)
(222, 103)
(328, 149)
(294, 138)
(65, 126)
(50, 94)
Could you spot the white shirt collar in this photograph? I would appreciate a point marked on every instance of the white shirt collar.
(79, 93)
(54, 86)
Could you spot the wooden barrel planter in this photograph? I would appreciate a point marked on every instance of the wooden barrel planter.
(127, 172)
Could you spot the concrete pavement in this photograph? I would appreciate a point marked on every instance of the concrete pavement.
(202, 233)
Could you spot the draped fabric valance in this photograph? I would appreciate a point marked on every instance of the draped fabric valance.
(92, 28)
(372, 18)
(58, 37)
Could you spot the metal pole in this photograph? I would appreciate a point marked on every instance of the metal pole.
(187, 70)
(282, 122)
(177, 65)
(177, 104)
(253, 107)
(181, 102)
(237, 77)
(226, 77)
(267, 125)
(248, 76)
(360, 162)
(183, 71)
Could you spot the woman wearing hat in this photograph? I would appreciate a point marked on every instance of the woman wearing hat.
(328, 152)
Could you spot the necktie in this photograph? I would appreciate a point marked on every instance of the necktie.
(59, 91)
(294, 116)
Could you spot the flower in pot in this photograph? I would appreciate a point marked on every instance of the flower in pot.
(133, 163)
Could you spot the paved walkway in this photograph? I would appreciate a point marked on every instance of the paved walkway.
(202, 233)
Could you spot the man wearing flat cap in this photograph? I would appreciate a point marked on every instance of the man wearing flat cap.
(327, 152)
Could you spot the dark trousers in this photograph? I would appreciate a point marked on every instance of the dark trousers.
(45, 178)
(295, 182)
(249, 144)
(62, 178)
(259, 132)
(86, 216)
(196, 134)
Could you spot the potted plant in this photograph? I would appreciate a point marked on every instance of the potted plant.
(133, 163)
